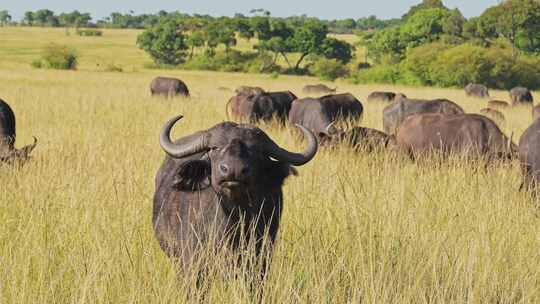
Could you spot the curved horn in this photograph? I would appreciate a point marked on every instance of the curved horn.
(26, 150)
(227, 108)
(509, 147)
(295, 159)
(193, 146)
(331, 129)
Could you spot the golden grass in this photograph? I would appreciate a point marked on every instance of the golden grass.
(373, 228)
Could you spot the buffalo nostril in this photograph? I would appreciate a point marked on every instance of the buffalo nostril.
(223, 168)
(244, 171)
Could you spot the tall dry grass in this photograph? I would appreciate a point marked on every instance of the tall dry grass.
(371, 228)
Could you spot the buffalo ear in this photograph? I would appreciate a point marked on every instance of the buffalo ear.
(192, 176)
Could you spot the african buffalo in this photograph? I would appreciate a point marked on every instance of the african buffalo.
(536, 112)
(221, 187)
(521, 95)
(477, 90)
(318, 89)
(261, 107)
(168, 87)
(364, 139)
(497, 104)
(394, 114)
(319, 114)
(8, 152)
(384, 96)
(471, 134)
(529, 156)
(247, 90)
(495, 115)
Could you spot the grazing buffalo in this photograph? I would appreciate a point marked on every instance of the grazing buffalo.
(221, 188)
(261, 107)
(395, 114)
(497, 104)
(363, 139)
(384, 96)
(463, 133)
(495, 115)
(318, 89)
(319, 114)
(536, 112)
(247, 90)
(168, 87)
(521, 95)
(529, 156)
(477, 90)
(8, 152)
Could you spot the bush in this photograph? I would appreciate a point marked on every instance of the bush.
(89, 32)
(232, 61)
(328, 69)
(57, 57)
(378, 74)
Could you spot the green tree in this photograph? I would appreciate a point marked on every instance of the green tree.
(5, 17)
(308, 39)
(339, 50)
(165, 43)
(195, 40)
(426, 4)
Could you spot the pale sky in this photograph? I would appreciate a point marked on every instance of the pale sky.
(325, 9)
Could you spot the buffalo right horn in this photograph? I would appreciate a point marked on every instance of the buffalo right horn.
(187, 148)
(295, 159)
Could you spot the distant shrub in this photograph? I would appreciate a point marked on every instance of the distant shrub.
(89, 32)
(57, 56)
(377, 74)
(328, 69)
(231, 61)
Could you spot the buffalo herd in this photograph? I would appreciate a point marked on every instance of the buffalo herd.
(223, 186)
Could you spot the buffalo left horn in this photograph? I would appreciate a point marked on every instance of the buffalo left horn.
(295, 159)
(191, 145)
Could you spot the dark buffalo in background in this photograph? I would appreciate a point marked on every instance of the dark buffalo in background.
(247, 90)
(529, 156)
(536, 112)
(471, 134)
(363, 139)
(219, 184)
(318, 89)
(319, 114)
(169, 87)
(495, 115)
(384, 96)
(8, 152)
(498, 104)
(395, 114)
(477, 90)
(521, 95)
(261, 107)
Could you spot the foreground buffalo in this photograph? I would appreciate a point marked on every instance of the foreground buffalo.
(470, 134)
(521, 95)
(318, 89)
(319, 114)
(477, 90)
(221, 188)
(498, 104)
(168, 87)
(396, 113)
(384, 96)
(495, 115)
(529, 156)
(261, 107)
(8, 152)
(536, 112)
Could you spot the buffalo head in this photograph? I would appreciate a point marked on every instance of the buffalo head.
(235, 159)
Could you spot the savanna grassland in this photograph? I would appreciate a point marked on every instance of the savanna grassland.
(357, 228)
